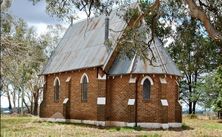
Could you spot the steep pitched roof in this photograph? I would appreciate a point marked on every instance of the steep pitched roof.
(162, 65)
(83, 45)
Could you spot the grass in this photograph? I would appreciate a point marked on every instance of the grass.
(29, 126)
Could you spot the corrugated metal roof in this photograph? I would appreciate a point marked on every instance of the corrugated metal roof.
(83, 45)
(162, 65)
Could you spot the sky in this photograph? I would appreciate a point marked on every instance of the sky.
(34, 15)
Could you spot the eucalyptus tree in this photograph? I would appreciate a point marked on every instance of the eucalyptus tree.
(12, 48)
(208, 12)
(212, 90)
(23, 54)
(196, 55)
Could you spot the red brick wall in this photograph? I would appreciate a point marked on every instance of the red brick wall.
(78, 109)
(172, 93)
(118, 91)
(149, 111)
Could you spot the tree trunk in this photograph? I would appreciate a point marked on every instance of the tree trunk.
(190, 107)
(31, 107)
(198, 13)
(18, 107)
(36, 97)
(190, 95)
(14, 100)
(26, 106)
(195, 102)
(194, 107)
(189, 79)
(9, 99)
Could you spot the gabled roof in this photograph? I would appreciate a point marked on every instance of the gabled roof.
(162, 65)
(82, 46)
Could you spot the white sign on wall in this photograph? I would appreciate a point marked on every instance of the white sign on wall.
(131, 102)
(163, 81)
(164, 102)
(65, 100)
(101, 101)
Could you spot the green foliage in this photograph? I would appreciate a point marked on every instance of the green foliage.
(23, 55)
(195, 56)
(212, 90)
(184, 126)
(131, 14)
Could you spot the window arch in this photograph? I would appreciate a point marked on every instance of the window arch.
(84, 87)
(147, 77)
(146, 82)
(146, 89)
(56, 89)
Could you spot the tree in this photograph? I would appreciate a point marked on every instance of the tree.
(20, 47)
(26, 53)
(212, 90)
(208, 12)
(13, 49)
(195, 56)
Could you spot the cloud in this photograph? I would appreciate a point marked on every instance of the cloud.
(32, 13)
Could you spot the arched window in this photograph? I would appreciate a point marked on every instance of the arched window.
(146, 82)
(84, 87)
(56, 89)
(146, 89)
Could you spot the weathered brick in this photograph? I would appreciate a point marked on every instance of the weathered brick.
(117, 91)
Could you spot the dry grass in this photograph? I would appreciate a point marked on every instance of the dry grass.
(12, 126)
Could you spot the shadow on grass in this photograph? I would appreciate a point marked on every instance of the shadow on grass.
(182, 128)
(123, 129)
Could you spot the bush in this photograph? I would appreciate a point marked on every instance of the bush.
(184, 126)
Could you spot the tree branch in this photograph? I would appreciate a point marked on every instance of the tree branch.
(198, 13)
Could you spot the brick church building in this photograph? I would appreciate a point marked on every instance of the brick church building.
(88, 82)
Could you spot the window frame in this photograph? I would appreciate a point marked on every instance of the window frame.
(84, 81)
(146, 92)
(56, 89)
(150, 87)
